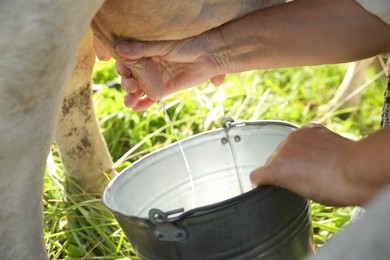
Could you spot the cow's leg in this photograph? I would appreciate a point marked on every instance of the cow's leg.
(37, 53)
(83, 150)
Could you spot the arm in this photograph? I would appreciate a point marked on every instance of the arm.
(302, 32)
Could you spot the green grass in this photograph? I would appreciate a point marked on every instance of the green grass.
(78, 226)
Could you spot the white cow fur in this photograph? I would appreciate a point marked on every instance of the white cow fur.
(38, 44)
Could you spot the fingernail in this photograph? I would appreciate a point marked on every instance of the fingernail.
(254, 186)
(128, 101)
(124, 48)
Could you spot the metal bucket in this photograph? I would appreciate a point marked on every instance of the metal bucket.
(217, 215)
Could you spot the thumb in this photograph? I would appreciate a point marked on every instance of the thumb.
(137, 50)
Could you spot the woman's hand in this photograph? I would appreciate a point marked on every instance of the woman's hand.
(151, 71)
(323, 166)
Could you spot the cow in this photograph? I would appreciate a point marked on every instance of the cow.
(46, 61)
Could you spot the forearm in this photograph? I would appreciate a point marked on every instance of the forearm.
(367, 163)
(302, 32)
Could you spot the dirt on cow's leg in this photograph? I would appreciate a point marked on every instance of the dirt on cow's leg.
(83, 149)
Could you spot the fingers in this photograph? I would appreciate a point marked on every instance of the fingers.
(131, 50)
(129, 84)
(137, 101)
(122, 70)
(262, 176)
(310, 163)
(131, 99)
(143, 103)
(134, 98)
(269, 173)
(137, 50)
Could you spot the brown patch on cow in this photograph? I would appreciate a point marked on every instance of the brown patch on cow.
(86, 143)
(79, 101)
(71, 131)
(83, 148)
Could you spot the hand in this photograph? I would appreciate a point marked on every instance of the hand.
(161, 68)
(313, 162)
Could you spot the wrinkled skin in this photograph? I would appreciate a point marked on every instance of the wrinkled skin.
(155, 20)
(292, 34)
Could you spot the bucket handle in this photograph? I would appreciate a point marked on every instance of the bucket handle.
(165, 230)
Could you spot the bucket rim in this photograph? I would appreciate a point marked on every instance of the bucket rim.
(234, 123)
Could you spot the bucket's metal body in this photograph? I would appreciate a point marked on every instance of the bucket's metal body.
(227, 220)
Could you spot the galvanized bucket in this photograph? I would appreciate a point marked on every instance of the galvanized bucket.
(214, 213)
